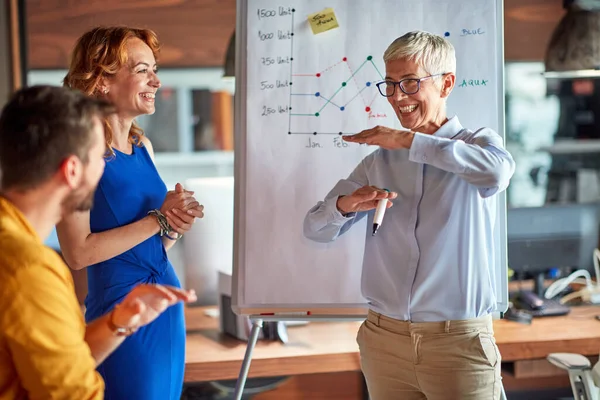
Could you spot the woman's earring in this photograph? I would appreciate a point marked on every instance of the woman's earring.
(105, 91)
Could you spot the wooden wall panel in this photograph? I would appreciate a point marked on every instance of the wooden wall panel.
(12, 66)
(195, 33)
(6, 68)
(528, 25)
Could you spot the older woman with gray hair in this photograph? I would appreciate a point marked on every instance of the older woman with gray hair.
(428, 273)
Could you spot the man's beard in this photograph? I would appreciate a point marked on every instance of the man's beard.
(75, 202)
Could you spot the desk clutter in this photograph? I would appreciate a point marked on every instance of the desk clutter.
(530, 303)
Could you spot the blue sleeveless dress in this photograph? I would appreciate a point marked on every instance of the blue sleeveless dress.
(148, 365)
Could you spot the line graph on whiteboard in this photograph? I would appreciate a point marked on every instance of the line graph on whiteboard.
(335, 99)
(326, 83)
(356, 93)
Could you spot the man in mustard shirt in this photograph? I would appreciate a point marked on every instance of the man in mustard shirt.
(51, 158)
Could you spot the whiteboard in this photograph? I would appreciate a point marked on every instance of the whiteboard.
(296, 93)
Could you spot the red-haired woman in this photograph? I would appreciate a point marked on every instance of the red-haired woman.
(123, 240)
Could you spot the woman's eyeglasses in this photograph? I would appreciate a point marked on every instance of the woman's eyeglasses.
(387, 88)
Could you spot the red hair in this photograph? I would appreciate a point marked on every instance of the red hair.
(100, 53)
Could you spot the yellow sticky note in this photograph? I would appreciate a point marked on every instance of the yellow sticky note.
(323, 21)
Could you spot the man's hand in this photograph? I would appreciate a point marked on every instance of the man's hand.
(364, 199)
(146, 302)
(384, 137)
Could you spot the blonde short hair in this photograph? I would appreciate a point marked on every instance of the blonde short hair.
(432, 52)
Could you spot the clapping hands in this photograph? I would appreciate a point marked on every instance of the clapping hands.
(181, 209)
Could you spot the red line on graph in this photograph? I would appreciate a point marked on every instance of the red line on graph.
(372, 101)
(368, 106)
(332, 66)
(356, 83)
(318, 74)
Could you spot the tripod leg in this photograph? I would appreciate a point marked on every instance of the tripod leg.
(241, 382)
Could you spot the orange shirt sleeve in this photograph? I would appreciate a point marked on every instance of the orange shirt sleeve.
(46, 336)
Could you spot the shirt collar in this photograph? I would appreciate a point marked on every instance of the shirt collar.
(449, 129)
(12, 219)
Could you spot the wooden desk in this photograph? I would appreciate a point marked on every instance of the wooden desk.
(577, 332)
(319, 347)
(324, 347)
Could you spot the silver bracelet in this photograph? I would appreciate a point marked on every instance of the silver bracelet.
(165, 228)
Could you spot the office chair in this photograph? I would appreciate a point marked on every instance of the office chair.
(585, 380)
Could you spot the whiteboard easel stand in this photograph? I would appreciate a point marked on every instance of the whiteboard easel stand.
(257, 323)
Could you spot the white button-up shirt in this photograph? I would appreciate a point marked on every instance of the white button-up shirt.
(433, 258)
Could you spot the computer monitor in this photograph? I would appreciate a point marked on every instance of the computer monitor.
(552, 236)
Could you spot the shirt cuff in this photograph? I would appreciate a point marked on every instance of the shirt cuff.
(335, 216)
(423, 148)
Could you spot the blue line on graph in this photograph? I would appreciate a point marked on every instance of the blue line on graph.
(344, 84)
(356, 95)
(342, 108)
(329, 100)
(317, 95)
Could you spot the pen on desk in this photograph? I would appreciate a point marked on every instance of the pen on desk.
(379, 212)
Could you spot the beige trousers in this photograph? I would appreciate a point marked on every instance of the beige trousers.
(451, 360)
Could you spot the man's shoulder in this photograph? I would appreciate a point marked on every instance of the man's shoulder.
(29, 270)
(23, 255)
